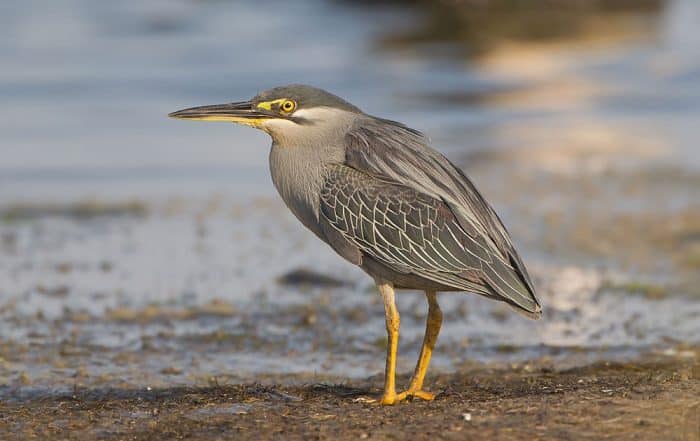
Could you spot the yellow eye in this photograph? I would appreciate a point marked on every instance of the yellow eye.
(288, 106)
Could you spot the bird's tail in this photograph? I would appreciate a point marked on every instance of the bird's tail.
(513, 288)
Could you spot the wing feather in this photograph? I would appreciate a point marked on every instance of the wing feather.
(432, 207)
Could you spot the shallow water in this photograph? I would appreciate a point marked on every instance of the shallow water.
(180, 298)
(595, 127)
(86, 87)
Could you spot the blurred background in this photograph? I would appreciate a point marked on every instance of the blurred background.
(138, 250)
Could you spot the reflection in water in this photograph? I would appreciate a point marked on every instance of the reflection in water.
(567, 79)
(477, 28)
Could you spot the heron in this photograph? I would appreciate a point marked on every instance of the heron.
(385, 200)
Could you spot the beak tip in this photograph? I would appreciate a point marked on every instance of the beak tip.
(232, 112)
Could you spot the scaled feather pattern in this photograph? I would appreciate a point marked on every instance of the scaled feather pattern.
(405, 205)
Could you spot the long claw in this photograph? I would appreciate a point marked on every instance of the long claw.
(422, 394)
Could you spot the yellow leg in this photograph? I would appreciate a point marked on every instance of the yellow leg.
(392, 328)
(432, 329)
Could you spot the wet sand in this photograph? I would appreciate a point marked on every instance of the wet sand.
(652, 398)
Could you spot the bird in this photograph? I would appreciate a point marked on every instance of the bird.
(385, 200)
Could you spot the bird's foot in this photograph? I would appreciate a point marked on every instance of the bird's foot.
(391, 399)
(418, 393)
(388, 399)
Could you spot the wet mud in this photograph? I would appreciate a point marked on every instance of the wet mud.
(653, 398)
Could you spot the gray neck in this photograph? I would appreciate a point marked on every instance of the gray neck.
(301, 154)
(298, 174)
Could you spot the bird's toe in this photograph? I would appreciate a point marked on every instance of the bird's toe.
(392, 398)
(421, 394)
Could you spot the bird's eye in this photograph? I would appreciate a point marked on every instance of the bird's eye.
(288, 106)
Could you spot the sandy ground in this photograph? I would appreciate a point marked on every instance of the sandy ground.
(651, 399)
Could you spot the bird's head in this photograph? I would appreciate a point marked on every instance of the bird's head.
(290, 114)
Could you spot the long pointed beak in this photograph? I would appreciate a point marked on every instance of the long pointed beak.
(241, 112)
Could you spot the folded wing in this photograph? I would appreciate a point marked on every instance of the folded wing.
(407, 206)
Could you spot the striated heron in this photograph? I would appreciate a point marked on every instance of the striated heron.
(382, 198)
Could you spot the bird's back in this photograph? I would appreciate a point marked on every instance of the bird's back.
(426, 219)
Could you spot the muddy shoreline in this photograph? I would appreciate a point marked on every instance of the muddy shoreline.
(652, 398)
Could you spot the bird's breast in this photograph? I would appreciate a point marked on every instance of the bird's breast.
(298, 176)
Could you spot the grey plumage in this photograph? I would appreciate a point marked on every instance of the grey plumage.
(306, 97)
(377, 192)
(383, 199)
(410, 209)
